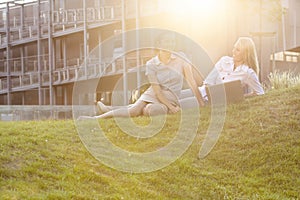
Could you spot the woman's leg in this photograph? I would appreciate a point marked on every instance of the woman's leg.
(152, 109)
(189, 102)
(186, 93)
(126, 111)
(102, 108)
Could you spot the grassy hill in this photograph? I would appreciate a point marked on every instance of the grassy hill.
(256, 157)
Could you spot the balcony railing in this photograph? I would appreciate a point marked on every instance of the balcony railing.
(61, 21)
(44, 112)
(95, 69)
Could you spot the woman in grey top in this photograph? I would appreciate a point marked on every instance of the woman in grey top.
(165, 72)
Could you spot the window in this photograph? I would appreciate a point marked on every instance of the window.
(286, 56)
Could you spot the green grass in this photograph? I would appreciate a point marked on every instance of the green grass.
(256, 157)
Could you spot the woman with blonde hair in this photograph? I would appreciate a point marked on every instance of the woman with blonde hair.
(243, 66)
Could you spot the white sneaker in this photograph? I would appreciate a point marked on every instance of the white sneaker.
(102, 108)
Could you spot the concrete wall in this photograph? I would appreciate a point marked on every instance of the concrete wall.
(292, 24)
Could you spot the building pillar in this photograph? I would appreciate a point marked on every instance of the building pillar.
(64, 49)
(137, 26)
(23, 98)
(100, 53)
(85, 39)
(125, 70)
(22, 47)
(39, 54)
(22, 16)
(9, 86)
(22, 60)
(50, 52)
(65, 90)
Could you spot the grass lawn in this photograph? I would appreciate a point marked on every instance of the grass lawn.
(256, 157)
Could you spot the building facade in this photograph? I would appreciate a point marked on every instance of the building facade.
(45, 45)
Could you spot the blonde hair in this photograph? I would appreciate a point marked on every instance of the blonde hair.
(249, 54)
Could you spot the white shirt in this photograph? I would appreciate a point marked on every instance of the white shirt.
(222, 68)
(248, 78)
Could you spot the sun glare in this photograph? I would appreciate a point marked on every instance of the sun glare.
(196, 7)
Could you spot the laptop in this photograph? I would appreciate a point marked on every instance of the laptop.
(225, 93)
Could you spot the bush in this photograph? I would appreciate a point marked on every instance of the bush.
(284, 79)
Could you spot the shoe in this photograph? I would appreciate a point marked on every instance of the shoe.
(102, 108)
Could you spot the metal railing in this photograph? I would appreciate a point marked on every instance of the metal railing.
(62, 20)
(71, 73)
(45, 112)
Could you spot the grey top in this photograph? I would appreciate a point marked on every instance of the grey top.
(169, 76)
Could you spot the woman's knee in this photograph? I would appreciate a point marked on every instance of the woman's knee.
(155, 109)
(135, 112)
(137, 108)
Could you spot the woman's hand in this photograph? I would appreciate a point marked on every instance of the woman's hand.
(173, 108)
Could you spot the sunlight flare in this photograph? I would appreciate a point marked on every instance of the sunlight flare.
(196, 7)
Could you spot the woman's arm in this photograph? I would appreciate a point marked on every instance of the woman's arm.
(151, 74)
(254, 85)
(249, 78)
(192, 83)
